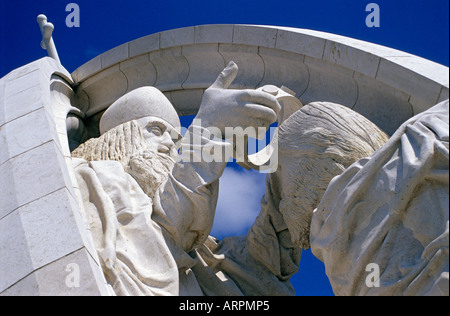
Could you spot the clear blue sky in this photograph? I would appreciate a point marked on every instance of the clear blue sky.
(420, 27)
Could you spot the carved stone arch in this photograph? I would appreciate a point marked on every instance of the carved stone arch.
(386, 85)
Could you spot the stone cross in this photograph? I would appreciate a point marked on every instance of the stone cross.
(47, 40)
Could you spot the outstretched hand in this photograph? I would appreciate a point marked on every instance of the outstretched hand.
(222, 107)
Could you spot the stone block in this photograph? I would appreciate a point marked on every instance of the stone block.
(144, 45)
(50, 227)
(300, 43)
(23, 95)
(418, 104)
(404, 73)
(443, 95)
(23, 103)
(177, 37)
(24, 133)
(15, 261)
(361, 61)
(284, 68)
(19, 176)
(2, 102)
(72, 275)
(104, 88)
(187, 102)
(329, 82)
(139, 72)
(205, 64)
(218, 33)
(115, 56)
(172, 68)
(255, 35)
(385, 106)
(251, 66)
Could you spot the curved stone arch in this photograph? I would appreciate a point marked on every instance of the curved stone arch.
(386, 85)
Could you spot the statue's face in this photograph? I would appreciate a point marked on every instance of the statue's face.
(160, 135)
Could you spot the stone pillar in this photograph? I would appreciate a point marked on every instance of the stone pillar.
(45, 248)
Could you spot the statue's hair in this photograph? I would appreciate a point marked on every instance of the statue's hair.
(323, 139)
(119, 144)
(324, 128)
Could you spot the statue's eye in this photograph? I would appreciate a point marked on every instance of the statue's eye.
(156, 130)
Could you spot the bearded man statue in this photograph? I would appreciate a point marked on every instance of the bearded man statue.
(148, 210)
(119, 174)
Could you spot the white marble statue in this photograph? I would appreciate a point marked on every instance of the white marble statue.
(381, 227)
(316, 143)
(148, 213)
(342, 187)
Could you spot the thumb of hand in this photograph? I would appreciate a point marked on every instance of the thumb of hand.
(226, 77)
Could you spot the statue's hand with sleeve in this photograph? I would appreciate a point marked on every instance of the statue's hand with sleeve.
(146, 206)
(185, 205)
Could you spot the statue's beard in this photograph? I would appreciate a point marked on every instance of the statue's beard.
(298, 222)
(126, 145)
(150, 170)
(303, 195)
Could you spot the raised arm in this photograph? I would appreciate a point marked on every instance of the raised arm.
(186, 203)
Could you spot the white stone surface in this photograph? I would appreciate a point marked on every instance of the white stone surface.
(286, 65)
(26, 94)
(22, 136)
(299, 42)
(115, 55)
(127, 199)
(334, 61)
(177, 37)
(139, 72)
(88, 69)
(398, 72)
(330, 82)
(390, 211)
(42, 227)
(361, 61)
(215, 33)
(444, 94)
(144, 45)
(39, 216)
(205, 62)
(389, 107)
(254, 35)
(251, 65)
(51, 279)
(187, 101)
(172, 68)
(105, 87)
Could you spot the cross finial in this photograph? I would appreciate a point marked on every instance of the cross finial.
(47, 40)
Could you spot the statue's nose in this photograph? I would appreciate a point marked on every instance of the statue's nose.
(166, 144)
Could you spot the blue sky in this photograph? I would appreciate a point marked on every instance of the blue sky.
(420, 27)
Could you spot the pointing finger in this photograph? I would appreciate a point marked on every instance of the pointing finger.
(226, 77)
